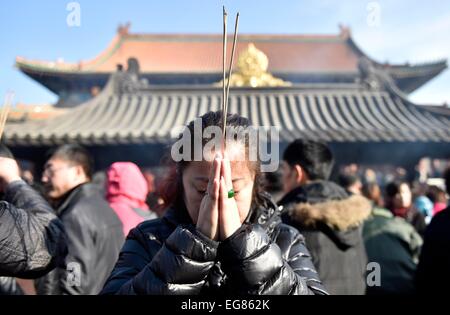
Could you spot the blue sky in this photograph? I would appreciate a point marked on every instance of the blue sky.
(415, 31)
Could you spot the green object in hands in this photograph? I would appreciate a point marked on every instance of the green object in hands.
(231, 193)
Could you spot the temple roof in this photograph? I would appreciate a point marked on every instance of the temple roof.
(129, 110)
(201, 53)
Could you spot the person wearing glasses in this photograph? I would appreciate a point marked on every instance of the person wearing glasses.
(94, 232)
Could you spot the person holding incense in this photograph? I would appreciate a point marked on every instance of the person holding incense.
(221, 233)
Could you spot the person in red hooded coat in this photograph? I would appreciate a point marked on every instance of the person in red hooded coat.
(126, 190)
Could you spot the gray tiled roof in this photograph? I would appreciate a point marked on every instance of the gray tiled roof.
(144, 114)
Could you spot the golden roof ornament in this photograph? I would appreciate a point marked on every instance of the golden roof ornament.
(252, 67)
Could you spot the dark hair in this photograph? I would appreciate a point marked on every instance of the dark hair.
(436, 194)
(76, 155)
(373, 192)
(347, 180)
(5, 152)
(314, 157)
(447, 179)
(273, 182)
(393, 188)
(171, 189)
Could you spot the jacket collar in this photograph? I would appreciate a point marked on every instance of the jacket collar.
(314, 192)
(178, 215)
(324, 202)
(73, 196)
(267, 213)
(326, 207)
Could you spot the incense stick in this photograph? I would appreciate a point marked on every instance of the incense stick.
(231, 63)
(5, 111)
(224, 93)
(227, 88)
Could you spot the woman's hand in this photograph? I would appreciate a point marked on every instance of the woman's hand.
(208, 216)
(229, 219)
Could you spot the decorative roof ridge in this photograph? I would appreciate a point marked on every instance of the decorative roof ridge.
(72, 66)
(438, 61)
(130, 81)
(374, 78)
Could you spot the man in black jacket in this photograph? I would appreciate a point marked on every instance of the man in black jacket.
(32, 239)
(93, 230)
(329, 219)
(433, 273)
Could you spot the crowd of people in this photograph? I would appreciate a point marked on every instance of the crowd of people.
(220, 226)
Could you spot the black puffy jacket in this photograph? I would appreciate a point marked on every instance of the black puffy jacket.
(94, 238)
(331, 222)
(32, 238)
(169, 256)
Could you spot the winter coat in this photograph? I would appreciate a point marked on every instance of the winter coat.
(331, 222)
(433, 271)
(170, 256)
(413, 217)
(394, 245)
(94, 239)
(32, 238)
(126, 192)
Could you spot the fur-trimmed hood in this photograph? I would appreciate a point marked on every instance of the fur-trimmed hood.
(340, 215)
(325, 206)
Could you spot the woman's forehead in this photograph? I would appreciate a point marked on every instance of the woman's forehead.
(202, 169)
(235, 151)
